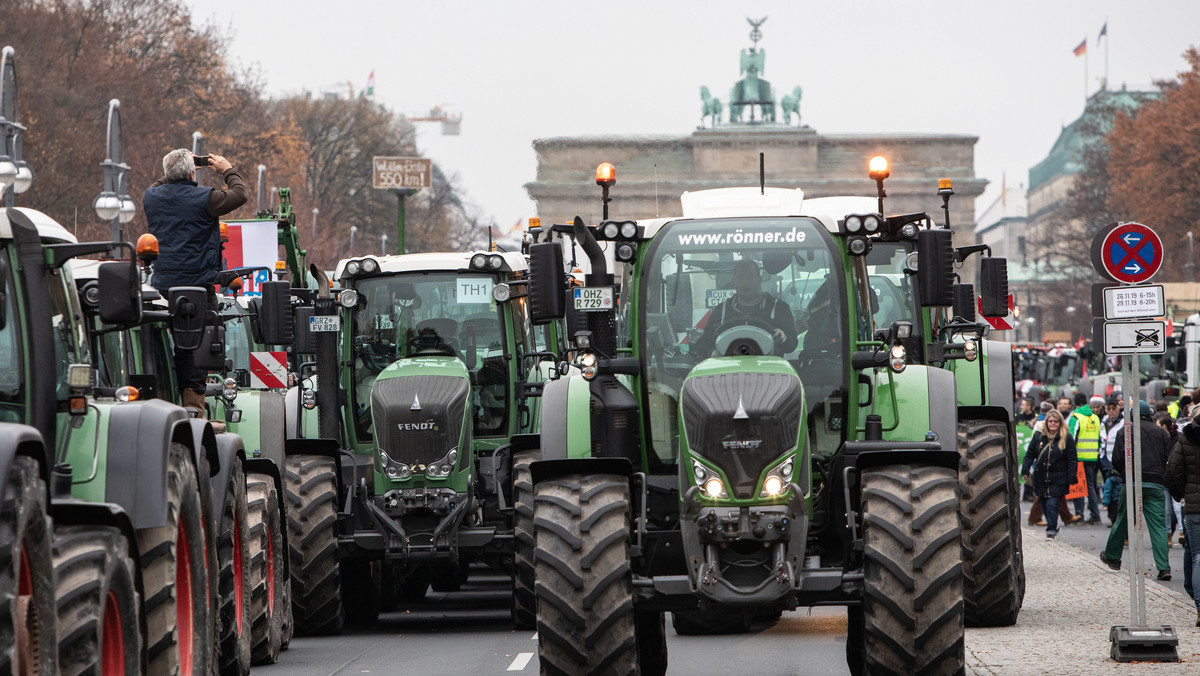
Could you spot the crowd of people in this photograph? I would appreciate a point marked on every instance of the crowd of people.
(1074, 465)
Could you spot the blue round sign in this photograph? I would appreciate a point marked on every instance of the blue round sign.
(1131, 253)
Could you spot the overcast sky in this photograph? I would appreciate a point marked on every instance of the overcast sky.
(521, 70)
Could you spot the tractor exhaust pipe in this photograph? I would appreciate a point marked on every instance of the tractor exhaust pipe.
(603, 325)
(327, 371)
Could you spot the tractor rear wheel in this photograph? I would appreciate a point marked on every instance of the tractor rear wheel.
(912, 571)
(233, 590)
(311, 487)
(27, 629)
(268, 574)
(98, 605)
(524, 605)
(993, 569)
(175, 578)
(585, 614)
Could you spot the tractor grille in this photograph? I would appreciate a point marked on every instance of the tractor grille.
(422, 436)
(773, 404)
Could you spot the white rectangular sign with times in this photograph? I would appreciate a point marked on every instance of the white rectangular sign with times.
(1133, 302)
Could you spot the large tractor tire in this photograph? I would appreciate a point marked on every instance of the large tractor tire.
(361, 593)
(585, 615)
(175, 579)
(311, 487)
(912, 571)
(524, 604)
(993, 568)
(99, 610)
(268, 574)
(27, 626)
(233, 588)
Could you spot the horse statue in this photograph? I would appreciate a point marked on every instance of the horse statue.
(790, 103)
(711, 108)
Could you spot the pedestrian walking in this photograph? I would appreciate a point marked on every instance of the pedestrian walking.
(1183, 481)
(1087, 429)
(1154, 467)
(1054, 469)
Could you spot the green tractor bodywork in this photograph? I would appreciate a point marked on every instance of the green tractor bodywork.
(762, 467)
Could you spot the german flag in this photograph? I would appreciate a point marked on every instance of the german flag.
(1082, 48)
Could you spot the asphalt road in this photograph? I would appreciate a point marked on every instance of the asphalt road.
(469, 632)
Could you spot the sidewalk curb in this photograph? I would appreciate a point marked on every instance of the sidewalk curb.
(1071, 600)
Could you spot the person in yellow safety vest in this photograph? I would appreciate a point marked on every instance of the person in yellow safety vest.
(1085, 426)
(1176, 407)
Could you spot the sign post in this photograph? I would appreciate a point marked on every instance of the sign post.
(1131, 253)
(403, 176)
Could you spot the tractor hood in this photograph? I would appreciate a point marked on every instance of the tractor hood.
(419, 409)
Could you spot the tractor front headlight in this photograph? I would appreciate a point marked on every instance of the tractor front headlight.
(773, 486)
(777, 479)
(713, 488)
(971, 350)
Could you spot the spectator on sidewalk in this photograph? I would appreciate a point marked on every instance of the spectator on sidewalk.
(1183, 480)
(1035, 510)
(1054, 468)
(1114, 421)
(1174, 515)
(1087, 429)
(1154, 467)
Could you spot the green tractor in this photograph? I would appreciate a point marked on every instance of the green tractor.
(770, 413)
(433, 393)
(131, 570)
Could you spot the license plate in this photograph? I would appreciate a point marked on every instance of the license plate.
(324, 323)
(714, 297)
(594, 298)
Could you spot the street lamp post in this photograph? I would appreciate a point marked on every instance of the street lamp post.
(262, 182)
(353, 229)
(384, 244)
(314, 232)
(15, 174)
(113, 204)
(196, 138)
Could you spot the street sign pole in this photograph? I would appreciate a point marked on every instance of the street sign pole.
(401, 195)
(402, 176)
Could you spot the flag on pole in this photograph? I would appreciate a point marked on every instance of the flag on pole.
(1082, 48)
(1103, 32)
(369, 90)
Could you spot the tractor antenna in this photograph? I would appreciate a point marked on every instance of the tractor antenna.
(656, 189)
(762, 174)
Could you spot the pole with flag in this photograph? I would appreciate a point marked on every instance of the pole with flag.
(1104, 34)
(369, 90)
(1081, 50)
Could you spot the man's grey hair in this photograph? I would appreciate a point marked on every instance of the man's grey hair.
(178, 164)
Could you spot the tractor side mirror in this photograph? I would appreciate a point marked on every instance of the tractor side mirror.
(189, 306)
(935, 268)
(547, 288)
(275, 313)
(120, 288)
(993, 286)
(964, 302)
(210, 355)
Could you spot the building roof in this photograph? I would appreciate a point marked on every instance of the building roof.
(1066, 156)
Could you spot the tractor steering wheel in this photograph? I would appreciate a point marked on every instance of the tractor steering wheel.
(745, 336)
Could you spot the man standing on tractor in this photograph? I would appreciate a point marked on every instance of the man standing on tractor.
(750, 302)
(1085, 425)
(184, 217)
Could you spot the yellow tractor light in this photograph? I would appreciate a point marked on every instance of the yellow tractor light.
(606, 174)
(878, 168)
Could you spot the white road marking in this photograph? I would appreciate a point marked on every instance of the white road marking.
(519, 662)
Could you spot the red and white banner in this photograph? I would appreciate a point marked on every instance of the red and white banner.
(268, 370)
(252, 244)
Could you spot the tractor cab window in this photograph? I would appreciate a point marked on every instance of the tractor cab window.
(893, 292)
(770, 286)
(237, 336)
(12, 369)
(428, 315)
(69, 329)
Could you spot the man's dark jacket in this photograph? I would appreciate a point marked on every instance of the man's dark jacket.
(1155, 449)
(184, 217)
(1183, 469)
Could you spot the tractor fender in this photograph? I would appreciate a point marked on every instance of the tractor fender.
(197, 434)
(139, 434)
(72, 512)
(926, 400)
(17, 439)
(996, 413)
(542, 470)
(271, 426)
(1000, 386)
(566, 419)
(230, 450)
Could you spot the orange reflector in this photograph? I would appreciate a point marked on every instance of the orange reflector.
(127, 393)
(535, 222)
(78, 405)
(943, 183)
(878, 167)
(236, 283)
(224, 231)
(606, 174)
(147, 245)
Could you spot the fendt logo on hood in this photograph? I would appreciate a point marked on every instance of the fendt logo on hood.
(424, 426)
(741, 444)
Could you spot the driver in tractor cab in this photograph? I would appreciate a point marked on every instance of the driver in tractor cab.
(749, 301)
